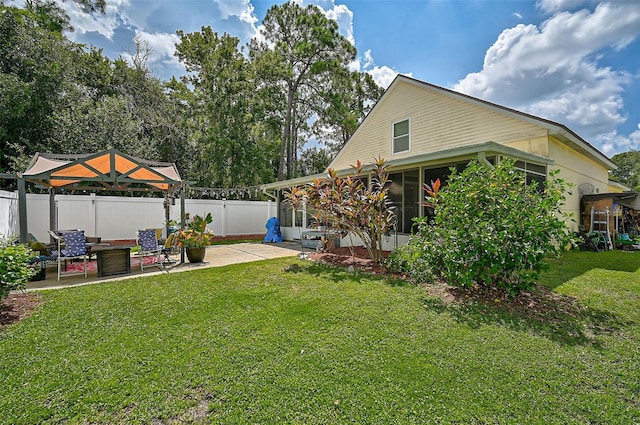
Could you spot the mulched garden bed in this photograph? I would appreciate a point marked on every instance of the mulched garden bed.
(540, 303)
(17, 307)
(342, 257)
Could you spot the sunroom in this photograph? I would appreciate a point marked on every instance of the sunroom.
(408, 177)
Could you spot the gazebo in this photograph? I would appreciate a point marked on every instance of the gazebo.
(110, 170)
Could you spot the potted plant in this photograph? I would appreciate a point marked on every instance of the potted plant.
(196, 237)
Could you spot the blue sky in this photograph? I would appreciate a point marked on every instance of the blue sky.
(576, 62)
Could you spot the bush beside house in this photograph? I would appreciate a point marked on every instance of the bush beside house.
(490, 228)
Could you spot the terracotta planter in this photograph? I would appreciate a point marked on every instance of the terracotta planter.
(196, 255)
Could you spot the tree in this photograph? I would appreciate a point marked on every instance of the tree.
(313, 161)
(50, 16)
(161, 135)
(628, 171)
(57, 97)
(233, 148)
(344, 101)
(490, 228)
(36, 72)
(301, 47)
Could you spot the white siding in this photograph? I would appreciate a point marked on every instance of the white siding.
(438, 122)
(577, 169)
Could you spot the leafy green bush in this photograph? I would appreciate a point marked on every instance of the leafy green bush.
(14, 266)
(414, 259)
(490, 228)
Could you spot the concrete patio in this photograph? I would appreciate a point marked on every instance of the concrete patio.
(216, 256)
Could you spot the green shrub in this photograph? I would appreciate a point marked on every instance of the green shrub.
(40, 247)
(413, 259)
(490, 228)
(15, 270)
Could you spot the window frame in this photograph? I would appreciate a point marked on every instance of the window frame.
(394, 137)
(530, 174)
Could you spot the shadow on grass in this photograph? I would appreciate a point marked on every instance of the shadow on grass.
(542, 312)
(576, 263)
(341, 274)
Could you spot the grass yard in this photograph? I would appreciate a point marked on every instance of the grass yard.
(272, 343)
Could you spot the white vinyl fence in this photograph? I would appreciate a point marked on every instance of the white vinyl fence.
(119, 217)
(8, 213)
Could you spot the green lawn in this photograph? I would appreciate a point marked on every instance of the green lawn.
(254, 343)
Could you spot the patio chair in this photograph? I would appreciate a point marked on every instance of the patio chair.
(149, 247)
(170, 247)
(47, 252)
(72, 245)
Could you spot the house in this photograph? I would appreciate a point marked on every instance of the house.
(422, 130)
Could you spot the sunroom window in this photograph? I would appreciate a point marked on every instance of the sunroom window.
(403, 192)
(534, 172)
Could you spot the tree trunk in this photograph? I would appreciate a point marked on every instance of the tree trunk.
(286, 138)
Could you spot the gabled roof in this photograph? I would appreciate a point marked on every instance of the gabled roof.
(557, 130)
(110, 170)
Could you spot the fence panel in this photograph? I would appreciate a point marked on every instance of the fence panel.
(8, 213)
(119, 217)
(246, 218)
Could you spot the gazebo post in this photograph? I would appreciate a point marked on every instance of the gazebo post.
(22, 209)
(182, 219)
(52, 211)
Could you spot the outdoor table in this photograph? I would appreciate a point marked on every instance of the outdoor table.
(113, 259)
(91, 247)
(313, 238)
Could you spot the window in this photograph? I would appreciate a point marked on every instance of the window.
(400, 136)
(284, 211)
(403, 192)
(533, 172)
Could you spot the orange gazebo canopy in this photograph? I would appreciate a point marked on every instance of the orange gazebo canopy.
(108, 170)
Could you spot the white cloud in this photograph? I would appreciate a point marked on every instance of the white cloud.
(517, 15)
(368, 59)
(162, 47)
(612, 143)
(344, 17)
(383, 75)
(552, 70)
(552, 6)
(104, 24)
(242, 9)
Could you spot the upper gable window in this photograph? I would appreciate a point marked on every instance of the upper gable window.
(400, 136)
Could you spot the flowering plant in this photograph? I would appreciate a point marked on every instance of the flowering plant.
(196, 234)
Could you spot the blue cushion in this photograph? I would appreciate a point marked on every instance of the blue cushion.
(74, 244)
(147, 240)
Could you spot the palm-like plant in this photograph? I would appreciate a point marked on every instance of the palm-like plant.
(348, 206)
(196, 234)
